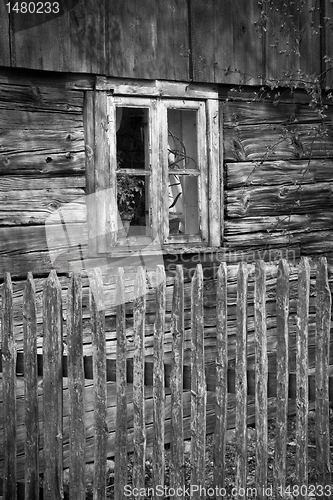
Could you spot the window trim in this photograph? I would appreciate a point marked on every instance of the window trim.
(100, 151)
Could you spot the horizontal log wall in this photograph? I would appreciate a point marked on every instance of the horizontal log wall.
(278, 157)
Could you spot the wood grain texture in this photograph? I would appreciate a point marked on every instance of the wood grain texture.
(52, 387)
(176, 381)
(121, 417)
(9, 391)
(282, 377)
(77, 479)
(31, 390)
(97, 307)
(4, 36)
(148, 39)
(223, 57)
(302, 402)
(261, 371)
(323, 321)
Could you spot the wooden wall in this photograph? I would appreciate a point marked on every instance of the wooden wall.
(228, 42)
(278, 169)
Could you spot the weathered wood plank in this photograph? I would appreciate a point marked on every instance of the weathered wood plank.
(221, 392)
(9, 391)
(282, 376)
(198, 384)
(120, 464)
(261, 372)
(89, 131)
(278, 142)
(278, 172)
(160, 50)
(222, 57)
(77, 483)
(158, 381)
(49, 140)
(323, 322)
(97, 310)
(31, 390)
(262, 200)
(327, 42)
(302, 403)
(241, 380)
(52, 388)
(48, 162)
(37, 120)
(176, 382)
(4, 36)
(42, 206)
(139, 437)
(64, 81)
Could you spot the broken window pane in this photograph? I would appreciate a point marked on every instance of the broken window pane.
(182, 139)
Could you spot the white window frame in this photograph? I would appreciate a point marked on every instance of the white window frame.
(158, 97)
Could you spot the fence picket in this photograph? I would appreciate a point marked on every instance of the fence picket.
(139, 435)
(52, 388)
(97, 311)
(261, 377)
(30, 390)
(77, 482)
(198, 384)
(9, 391)
(176, 383)
(323, 321)
(221, 363)
(282, 377)
(120, 459)
(302, 403)
(241, 381)
(158, 382)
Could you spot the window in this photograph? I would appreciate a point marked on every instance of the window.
(155, 171)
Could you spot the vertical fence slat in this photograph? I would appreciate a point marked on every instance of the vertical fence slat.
(9, 391)
(261, 376)
(302, 398)
(97, 311)
(30, 390)
(77, 486)
(282, 377)
(323, 322)
(176, 383)
(120, 462)
(241, 380)
(139, 436)
(198, 384)
(52, 388)
(158, 381)
(221, 394)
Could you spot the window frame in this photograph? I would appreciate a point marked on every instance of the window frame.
(157, 97)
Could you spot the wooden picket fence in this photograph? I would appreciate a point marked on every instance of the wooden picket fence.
(53, 384)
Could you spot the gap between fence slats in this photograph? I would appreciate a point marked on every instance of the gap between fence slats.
(221, 391)
(52, 389)
(198, 385)
(241, 381)
(120, 459)
(77, 440)
(97, 311)
(30, 390)
(282, 377)
(139, 436)
(9, 391)
(176, 383)
(323, 322)
(158, 381)
(261, 380)
(302, 402)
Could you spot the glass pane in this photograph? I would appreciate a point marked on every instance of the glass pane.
(133, 205)
(183, 204)
(182, 139)
(132, 138)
